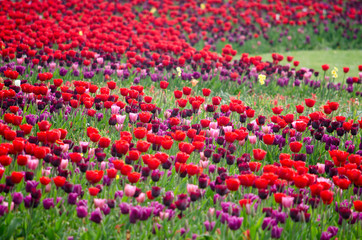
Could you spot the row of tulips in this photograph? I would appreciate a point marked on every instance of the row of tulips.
(129, 153)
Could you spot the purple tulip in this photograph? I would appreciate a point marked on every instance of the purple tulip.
(82, 211)
(209, 225)
(234, 223)
(17, 198)
(96, 216)
(276, 232)
(48, 203)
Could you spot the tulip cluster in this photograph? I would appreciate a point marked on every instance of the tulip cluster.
(115, 122)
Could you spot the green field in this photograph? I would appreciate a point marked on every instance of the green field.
(334, 58)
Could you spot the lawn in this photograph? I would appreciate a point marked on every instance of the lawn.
(334, 58)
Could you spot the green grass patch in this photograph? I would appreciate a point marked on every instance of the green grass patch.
(334, 58)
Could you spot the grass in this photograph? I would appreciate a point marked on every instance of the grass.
(334, 58)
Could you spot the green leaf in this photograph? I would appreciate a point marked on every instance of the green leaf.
(50, 233)
(14, 224)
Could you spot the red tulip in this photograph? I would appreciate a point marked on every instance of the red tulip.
(259, 154)
(182, 157)
(244, 202)
(179, 135)
(278, 197)
(174, 121)
(143, 146)
(216, 101)
(134, 155)
(247, 180)
(167, 143)
(300, 126)
(44, 180)
(230, 137)
(223, 121)
(357, 205)
(327, 197)
(232, 184)
(145, 117)
(186, 147)
(59, 181)
(93, 191)
(206, 92)
(118, 164)
(295, 147)
(325, 67)
(94, 176)
(44, 126)
(9, 135)
(40, 152)
(16, 177)
(58, 82)
(333, 105)
(126, 169)
(122, 147)
(164, 84)
(133, 177)
(316, 189)
(191, 133)
(192, 169)
(186, 90)
(300, 108)
(22, 160)
(95, 137)
(112, 173)
(309, 102)
(111, 85)
(153, 163)
(26, 128)
(268, 139)
(300, 181)
(261, 183)
(178, 94)
(277, 110)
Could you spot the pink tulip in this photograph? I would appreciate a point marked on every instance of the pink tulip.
(100, 60)
(228, 129)
(191, 188)
(211, 211)
(20, 61)
(64, 147)
(48, 188)
(129, 190)
(252, 139)
(204, 164)
(265, 129)
(91, 152)
(242, 143)
(120, 118)
(287, 202)
(141, 198)
(64, 164)
(115, 109)
(214, 133)
(99, 203)
(321, 168)
(164, 215)
(104, 165)
(46, 172)
(133, 117)
(119, 127)
(213, 125)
